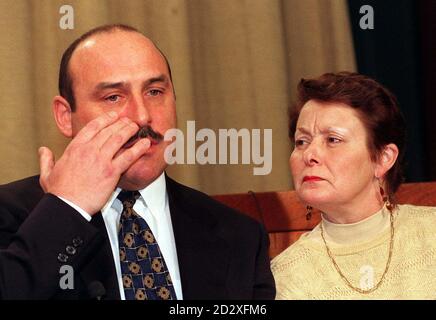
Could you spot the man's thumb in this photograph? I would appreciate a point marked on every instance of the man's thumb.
(46, 164)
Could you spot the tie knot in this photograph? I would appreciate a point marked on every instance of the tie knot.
(128, 198)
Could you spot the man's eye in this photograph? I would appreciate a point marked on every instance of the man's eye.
(154, 92)
(113, 98)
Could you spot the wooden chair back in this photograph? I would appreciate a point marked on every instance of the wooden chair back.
(284, 216)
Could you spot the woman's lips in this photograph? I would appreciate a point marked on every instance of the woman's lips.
(311, 179)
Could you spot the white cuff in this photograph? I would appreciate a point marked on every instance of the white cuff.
(84, 214)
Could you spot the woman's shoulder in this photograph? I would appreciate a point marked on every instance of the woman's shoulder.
(296, 254)
(418, 220)
(296, 264)
(418, 213)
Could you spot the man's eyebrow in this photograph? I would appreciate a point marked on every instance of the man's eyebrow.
(109, 85)
(121, 85)
(161, 78)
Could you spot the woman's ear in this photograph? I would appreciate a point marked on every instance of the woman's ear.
(386, 160)
(62, 114)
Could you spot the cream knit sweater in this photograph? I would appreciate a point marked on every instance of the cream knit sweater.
(305, 271)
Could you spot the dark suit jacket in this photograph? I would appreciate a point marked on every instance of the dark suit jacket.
(222, 254)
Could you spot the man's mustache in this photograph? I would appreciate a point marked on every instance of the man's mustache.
(144, 132)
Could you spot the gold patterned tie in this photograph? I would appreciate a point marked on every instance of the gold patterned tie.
(144, 271)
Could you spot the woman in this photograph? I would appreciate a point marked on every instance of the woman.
(349, 140)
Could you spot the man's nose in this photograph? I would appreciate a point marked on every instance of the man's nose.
(312, 154)
(137, 111)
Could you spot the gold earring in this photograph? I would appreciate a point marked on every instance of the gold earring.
(308, 213)
(385, 198)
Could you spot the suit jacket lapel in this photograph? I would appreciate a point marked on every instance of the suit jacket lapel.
(202, 253)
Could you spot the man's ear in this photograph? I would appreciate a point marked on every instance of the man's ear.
(386, 160)
(62, 114)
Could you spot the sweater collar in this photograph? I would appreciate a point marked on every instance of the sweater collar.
(358, 232)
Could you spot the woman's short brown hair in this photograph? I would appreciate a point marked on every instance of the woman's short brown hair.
(376, 106)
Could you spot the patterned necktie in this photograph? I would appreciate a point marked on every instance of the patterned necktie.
(143, 269)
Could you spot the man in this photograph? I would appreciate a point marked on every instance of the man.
(114, 81)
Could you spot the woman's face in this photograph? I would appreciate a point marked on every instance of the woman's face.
(331, 165)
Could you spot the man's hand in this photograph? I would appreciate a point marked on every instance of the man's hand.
(91, 166)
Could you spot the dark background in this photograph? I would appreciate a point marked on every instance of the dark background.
(400, 53)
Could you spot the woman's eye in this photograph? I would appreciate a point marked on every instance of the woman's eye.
(300, 142)
(333, 140)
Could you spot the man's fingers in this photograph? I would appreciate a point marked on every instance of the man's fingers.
(114, 138)
(127, 157)
(93, 127)
(46, 164)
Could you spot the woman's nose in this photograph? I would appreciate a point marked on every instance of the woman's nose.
(312, 154)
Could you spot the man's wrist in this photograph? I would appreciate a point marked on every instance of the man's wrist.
(84, 214)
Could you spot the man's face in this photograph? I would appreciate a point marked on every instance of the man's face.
(124, 72)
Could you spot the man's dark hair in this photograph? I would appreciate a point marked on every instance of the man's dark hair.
(65, 80)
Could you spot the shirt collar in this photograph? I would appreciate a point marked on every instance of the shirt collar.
(154, 197)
